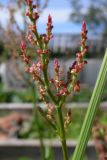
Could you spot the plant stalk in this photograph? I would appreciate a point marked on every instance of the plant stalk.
(62, 133)
(91, 112)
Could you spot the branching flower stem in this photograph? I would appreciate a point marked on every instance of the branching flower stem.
(39, 72)
(46, 81)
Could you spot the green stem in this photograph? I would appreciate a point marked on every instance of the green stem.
(48, 120)
(45, 69)
(46, 80)
(48, 88)
(62, 133)
(91, 112)
(70, 89)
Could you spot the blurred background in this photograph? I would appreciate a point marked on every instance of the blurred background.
(19, 123)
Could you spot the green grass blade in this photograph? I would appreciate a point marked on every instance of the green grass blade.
(91, 112)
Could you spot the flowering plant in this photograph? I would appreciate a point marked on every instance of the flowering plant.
(39, 73)
(62, 88)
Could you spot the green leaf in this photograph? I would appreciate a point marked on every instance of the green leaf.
(91, 112)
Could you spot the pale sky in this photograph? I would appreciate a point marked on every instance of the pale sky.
(60, 11)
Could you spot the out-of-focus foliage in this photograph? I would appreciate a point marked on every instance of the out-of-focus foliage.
(26, 95)
(15, 95)
(2, 49)
(93, 12)
(24, 158)
(78, 115)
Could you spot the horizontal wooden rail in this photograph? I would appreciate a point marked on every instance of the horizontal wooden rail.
(28, 106)
(36, 143)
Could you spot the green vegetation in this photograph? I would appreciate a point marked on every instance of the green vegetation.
(15, 95)
(74, 128)
(26, 95)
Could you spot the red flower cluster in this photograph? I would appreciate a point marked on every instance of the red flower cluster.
(30, 38)
(24, 52)
(29, 2)
(33, 15)
(43, 39)
(49, 28)
(44, 51)
(78, 65)
(63, 87)
(56, 65)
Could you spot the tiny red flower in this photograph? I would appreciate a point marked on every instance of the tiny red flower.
(22, 45)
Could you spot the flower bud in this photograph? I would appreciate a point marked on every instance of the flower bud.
(22, 45)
